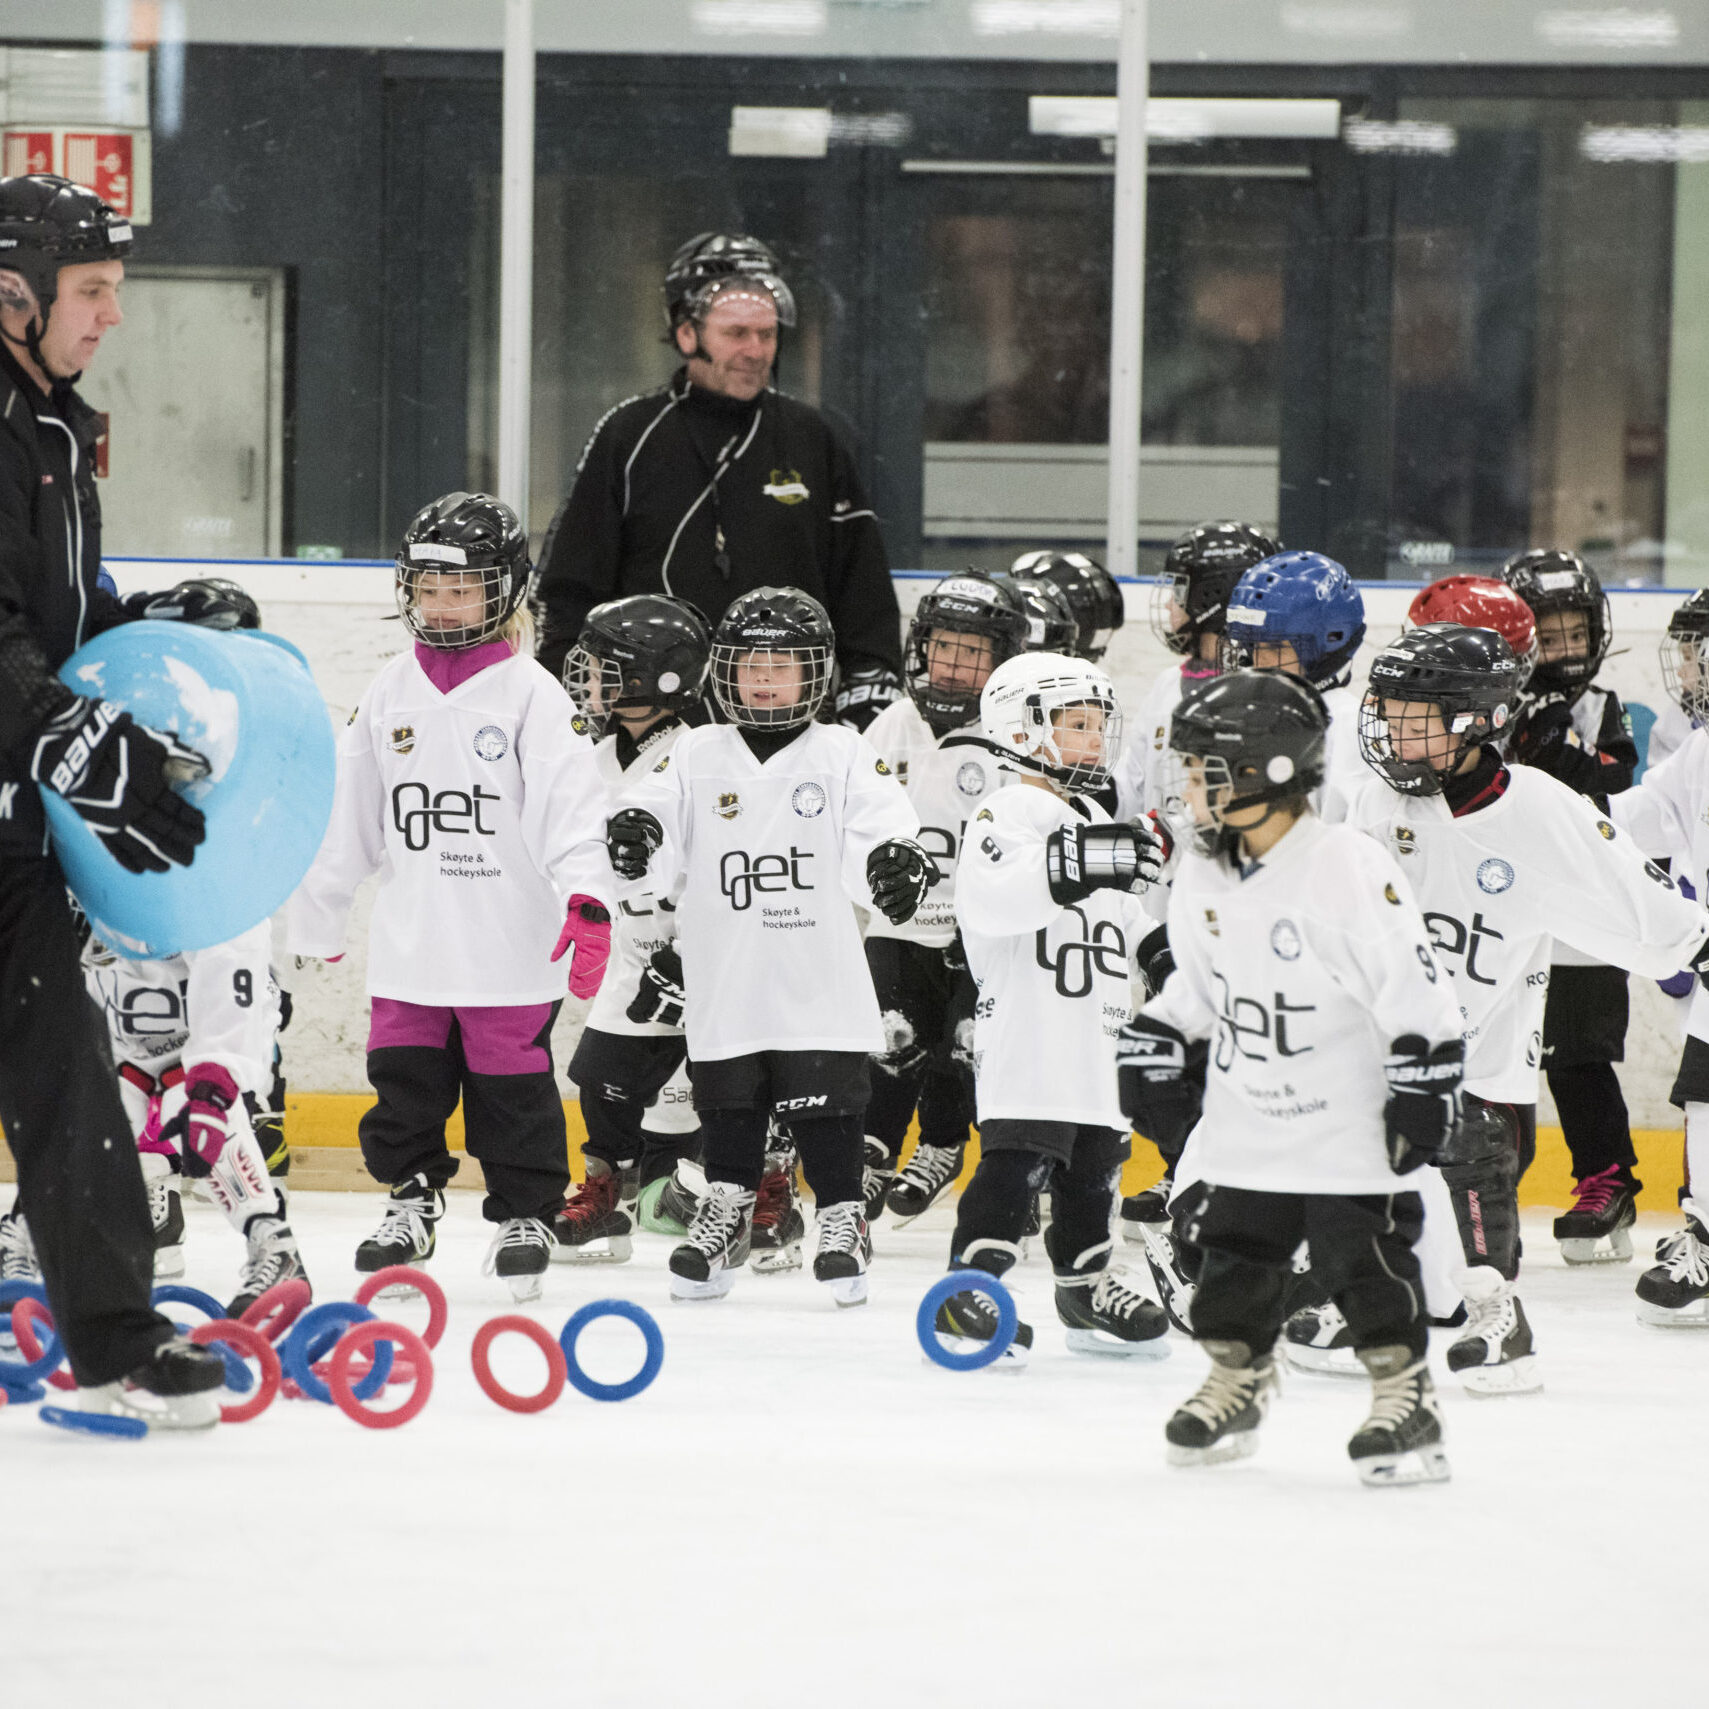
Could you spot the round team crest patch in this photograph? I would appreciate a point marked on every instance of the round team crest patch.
(491, 743)
(970, 778)
(1494, 876)
(1285, 940)
(808, 800)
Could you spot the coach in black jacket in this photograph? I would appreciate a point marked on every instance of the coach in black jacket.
(717, 484)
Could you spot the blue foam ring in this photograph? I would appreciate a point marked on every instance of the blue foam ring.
(237, 1375)
(315, 1333)
(20, 1373)
(175, 1293)
(23, 1394)
(947, 1287)
(95, 1423)
(643, 1321)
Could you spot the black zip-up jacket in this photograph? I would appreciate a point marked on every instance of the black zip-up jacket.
(665, 473)
(50, 555)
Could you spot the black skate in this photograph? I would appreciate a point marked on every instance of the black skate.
(406, 1235)
(1316, 1338)
(875, 1178)
(1105, 1313)
(1150, 1206)
(779, 1227)
(1401, 1442)
(17, 1249)
(175, 1388)
(166, 1213)
(1604, 1209)
(1174, 1290)
(845, 1251)
(667, 1206)
(591, 1228)
(273, 1258)
(1221, 1421)
(1675, 1294)
(923, 1180)
(1494, 1355)
(719, 1238)
(519, 1254)
(964, 1319)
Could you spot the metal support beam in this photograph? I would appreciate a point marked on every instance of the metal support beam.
(1127, 290)
(516, 259)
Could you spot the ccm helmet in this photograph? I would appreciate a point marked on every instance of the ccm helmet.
(1481, 602)
(643, 651)
(772, 656)
(1089, 591)
(1243, 739)
(1303, 600)
(944, 675)
(706, 264)
(463, 539)
(1685, 657)
(1198, 576)
(1469, 675)
(1554, 583)
(1050, 624)
(1025, 704)
(47, 223)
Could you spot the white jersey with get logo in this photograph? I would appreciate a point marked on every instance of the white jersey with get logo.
(769, 858)
(948, 779)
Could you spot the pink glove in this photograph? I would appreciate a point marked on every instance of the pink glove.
(588, 927)
(203, 1132)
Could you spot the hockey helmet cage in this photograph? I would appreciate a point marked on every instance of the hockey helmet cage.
(1685, 657)
(1481, 602)
(1090, 592)
(1022, 709)
(707, 263)
(1199, 574)
(944, 680)
(1303, 600)
(643, 651)
(772, 642)
(457, 540)
(1552, 582)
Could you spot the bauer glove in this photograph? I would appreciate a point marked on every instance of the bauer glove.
(864, 693)
(119, 777)
(1423, 1109)
(587, 925)
(631, 836)
(1160, 1089)
(661, 997)
(200, 1127)
(900, 873)
(209, 604)
(1079, 859)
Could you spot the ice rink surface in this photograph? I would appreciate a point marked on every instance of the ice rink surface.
(801, 1511)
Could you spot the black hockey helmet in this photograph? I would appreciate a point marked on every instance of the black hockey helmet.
(752, 646)
(970, 604)
(1685, 656)
(1469, 675)
(47, 223)
(1050, 621)
(645, 650)
(1090, 592)
(1553, 582)
(469, 534)
(241, 610)
(1199, 573)
(1242, 739)
(711, 260)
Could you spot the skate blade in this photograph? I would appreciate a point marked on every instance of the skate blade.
(1617, 1251)
(1519, 1376)
(713, 1288)
(1241, 1446)
(619, 1249)
(1101, 1345)
(1693, 1316)
(159, 1412)
(776, 1260)
(1325, 1361)
(848, 1290)
(1135, 1231)
(525, 1290)
(1396, 1471)
(168, 1263)
(1013, 1357)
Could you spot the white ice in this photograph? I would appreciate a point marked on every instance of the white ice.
(801, 1511)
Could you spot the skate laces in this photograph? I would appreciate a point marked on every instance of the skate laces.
(17, 1250)
(840, 1227)
(773, 1198)
(717, 1222)
(1492, 1317)
(1686, 1258)
(1595, 1193)
(1394, 1399)
(1115, 1295)
(929, 1167)
(597, 1195)
(515, 1234)
(1225, 1394)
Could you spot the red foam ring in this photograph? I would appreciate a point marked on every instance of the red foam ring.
(252, 1344)
(342, 1381)
(402, 1371)
(278, 1308)
(26, 1313)
(515, 1324)
(407, 1276)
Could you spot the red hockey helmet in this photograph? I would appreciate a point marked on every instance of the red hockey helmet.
(1481, 602)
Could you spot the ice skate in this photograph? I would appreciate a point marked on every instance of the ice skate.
(1316, 1338)
(1151, 1206)
(1675, 1294)
(1221, 1421)
(166, 1213)
(719, 1237)
(406, 1233)
(519, 1254)
(963, 1320)
(779, 1227)
(1174, 1291)
(923, 1180)
(17, 1249)
(1597, 1230)
(175, 1388)
(592, 1228)
(1105, 1313)
(1401, 1441)
(876, 1177)
(667, 1206)
(273, 1258)
(845, 1251)
(1494, 1355)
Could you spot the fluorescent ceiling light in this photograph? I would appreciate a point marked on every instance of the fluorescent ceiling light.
(1047, 17)
(780, 133)
(1185, 120)
(1338, 22)
(1648, 144)
(1398, 136)
(759, 17)
(1619, 26)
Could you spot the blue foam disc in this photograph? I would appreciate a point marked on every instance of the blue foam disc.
(95, 1423)
(315, 1334)
(637, 1315)
(175, 1293)
(947, 1287)
(22, 1373)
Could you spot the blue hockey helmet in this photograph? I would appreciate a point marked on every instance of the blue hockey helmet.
(1304, 600)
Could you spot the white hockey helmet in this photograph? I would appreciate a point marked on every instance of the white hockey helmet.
(1020, 713)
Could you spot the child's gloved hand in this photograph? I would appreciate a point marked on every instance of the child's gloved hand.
(200, 1128)
(588, 927)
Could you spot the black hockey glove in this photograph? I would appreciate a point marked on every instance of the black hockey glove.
(207, 604)
(119, 776)
(1699, 964)
(900, 873)
(955, 955)
(1424, 1100)
(1155, 959)
(661, 996)
(1079, 859)
(1158, 1094)
(631, 836)
(864, 693)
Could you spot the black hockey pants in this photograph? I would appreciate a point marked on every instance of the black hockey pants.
(1584, 1035)
(619, 1076)
(927, 1060)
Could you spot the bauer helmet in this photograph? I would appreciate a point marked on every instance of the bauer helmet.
(772, 643)
(1481, 602)
(1243, 739)
(1090, 592)
(643, 651)
(1024, 712)
(1050, 623)
(1469, 676)
(1554, 584)
(47, 223)
(1685, 657)
(1199, 574)
(962, 630)
(469, 542)
(704, 265)
(1301, 600)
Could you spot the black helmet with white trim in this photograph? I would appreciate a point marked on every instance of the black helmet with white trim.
(459, 546)
(772, 658)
